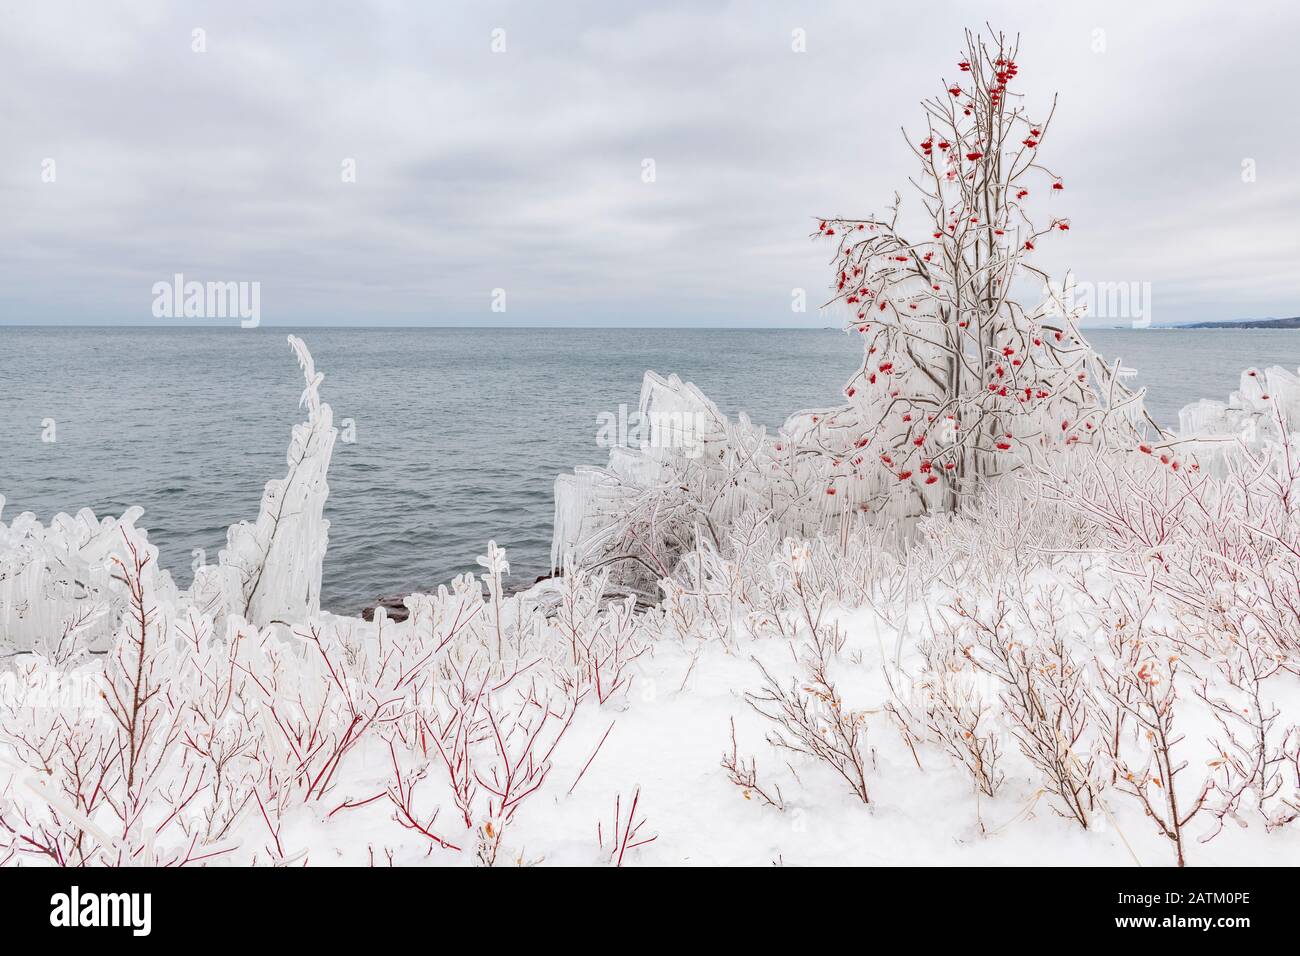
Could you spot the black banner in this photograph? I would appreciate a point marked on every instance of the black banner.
(240, 906)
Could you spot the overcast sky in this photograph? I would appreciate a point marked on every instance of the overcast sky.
(522, 170)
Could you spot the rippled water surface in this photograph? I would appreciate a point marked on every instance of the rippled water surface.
(459, 432)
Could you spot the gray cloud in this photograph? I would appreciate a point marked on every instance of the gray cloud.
(522, 170)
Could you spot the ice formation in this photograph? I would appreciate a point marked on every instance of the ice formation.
(57, 582)
(692, 474)
(270, 570)
(1252, 415)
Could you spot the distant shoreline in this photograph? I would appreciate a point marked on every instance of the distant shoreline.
(1291, 323)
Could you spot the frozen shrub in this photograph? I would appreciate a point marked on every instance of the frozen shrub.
(810, 718)
(1042, 690)
(745, 776)
(1149, 761)
(1256, 751)
(625, 833)
(953, 711)
(57, 587)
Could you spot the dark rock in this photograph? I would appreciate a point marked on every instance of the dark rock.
(394, 606)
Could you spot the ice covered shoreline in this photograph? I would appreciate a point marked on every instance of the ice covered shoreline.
(827, 699)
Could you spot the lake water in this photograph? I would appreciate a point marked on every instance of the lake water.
(459, 432)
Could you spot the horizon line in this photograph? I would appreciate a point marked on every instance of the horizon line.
(210, 326)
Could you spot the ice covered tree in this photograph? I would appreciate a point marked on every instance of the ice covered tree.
(960, 381)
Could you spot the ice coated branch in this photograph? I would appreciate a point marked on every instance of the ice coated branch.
(271, 570)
